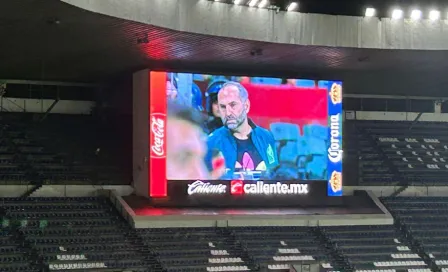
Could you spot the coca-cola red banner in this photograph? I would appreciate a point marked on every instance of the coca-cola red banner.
(157, 135)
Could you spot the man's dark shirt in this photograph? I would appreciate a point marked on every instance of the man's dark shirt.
(248, 158)
(222, 140)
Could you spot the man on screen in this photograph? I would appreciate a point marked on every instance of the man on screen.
(186, 146)
(246, 147)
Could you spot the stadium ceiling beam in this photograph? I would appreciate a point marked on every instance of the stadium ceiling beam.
(416, 120)
(49, 110)
(48, 83)
(393, 97)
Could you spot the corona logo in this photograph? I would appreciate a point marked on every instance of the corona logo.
(336, 181)
(335, 149)
(336, 93)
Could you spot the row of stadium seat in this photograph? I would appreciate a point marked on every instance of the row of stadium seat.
(61, 150)
(24, 161)
(392, 152)
(378, 152)
(425, 220)
(87, 234)
(81, 234)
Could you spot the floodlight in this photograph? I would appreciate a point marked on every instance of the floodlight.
(434, 15)
(370, 12)
(292, 6)
(253, 3)
(397, 14)
(416, 14)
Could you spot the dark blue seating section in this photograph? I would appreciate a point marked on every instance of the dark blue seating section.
(63, 149)
(426, 220)
(77, 150)
(278, 247)
(233, 249)
(397, 151)
(79, 234)
(197, 249)
(13, 257)
(25, 161)
(373, 248)
(87, 234)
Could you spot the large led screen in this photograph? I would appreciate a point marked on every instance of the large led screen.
(227, 128)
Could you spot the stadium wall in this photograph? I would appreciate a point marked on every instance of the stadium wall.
(140, 140)
(63, 190)
(383, 191)
(395, 116)
(41, 106)
(219, 19)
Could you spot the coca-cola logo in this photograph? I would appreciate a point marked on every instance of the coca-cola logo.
(158, 135)
(200, 187)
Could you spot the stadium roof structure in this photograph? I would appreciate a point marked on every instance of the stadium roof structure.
(84, 41)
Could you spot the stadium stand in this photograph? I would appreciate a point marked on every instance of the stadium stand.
(417, 150)
(87, 234)
(393, 152)
(11, 165)
(76, 234)
(25, 161)
(92, 146)
(373, 166)
(57, 151)
(424, 220)
(39, 146)
(280, 246)
(13, 257)
(196, 249)
(375, 248)
(379, 152)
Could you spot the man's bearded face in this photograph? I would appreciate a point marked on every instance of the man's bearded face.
(232, 108)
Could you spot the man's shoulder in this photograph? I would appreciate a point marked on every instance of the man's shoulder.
(263, 132)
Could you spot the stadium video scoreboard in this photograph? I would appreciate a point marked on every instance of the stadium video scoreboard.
(226, 137)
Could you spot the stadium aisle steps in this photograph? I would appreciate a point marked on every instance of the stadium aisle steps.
(338, 259)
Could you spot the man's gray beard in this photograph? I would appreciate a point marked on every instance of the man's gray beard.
(233, 127)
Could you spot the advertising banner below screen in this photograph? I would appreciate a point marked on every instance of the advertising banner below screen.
(238, 187)
(224, 193)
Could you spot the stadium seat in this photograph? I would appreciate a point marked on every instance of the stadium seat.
(291, 149)
(75, 233)
(280, 246)
(394, 151)
(426, 219)
(196, 249)
(372, 248)
(13, 257)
